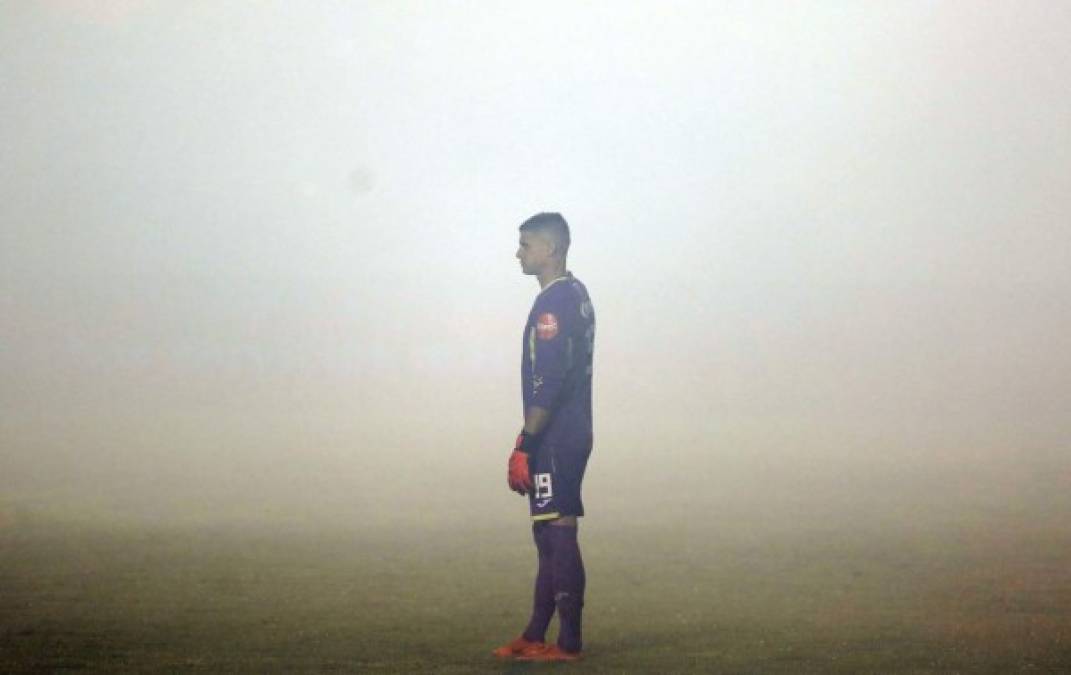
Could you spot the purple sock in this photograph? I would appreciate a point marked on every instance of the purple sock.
(543, 600)
(569, 581)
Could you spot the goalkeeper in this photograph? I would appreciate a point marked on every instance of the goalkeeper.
(550, 455)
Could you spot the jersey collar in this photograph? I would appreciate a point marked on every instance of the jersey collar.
(567, 275)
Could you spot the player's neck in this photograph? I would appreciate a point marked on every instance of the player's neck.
(551, 275)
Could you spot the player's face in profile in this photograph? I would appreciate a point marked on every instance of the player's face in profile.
(533, 252)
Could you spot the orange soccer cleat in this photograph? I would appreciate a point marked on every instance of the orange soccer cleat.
(549, 653)
(518, 647)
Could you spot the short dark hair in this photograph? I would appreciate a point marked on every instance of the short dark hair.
(552, 224)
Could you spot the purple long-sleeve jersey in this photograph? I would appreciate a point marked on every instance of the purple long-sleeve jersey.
(556, 367)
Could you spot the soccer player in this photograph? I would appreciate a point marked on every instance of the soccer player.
(551, 452)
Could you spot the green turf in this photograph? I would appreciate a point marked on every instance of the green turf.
(750, 592)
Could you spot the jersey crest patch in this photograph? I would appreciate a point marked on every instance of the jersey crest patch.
(547, 326)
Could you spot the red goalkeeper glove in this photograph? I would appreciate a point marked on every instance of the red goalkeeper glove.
(517, 475)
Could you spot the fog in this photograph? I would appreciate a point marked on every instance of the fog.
(256, 259)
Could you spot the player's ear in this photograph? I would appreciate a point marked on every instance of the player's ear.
(554, 247)
(544, 241)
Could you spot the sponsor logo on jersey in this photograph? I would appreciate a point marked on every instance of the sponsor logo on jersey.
(547, 326)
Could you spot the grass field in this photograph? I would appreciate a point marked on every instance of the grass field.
(957, 578)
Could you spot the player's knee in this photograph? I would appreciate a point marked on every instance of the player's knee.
(566, 600)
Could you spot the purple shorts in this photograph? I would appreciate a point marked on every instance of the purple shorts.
(557, 472)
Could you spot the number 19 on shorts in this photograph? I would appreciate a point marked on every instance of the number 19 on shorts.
(543, 489)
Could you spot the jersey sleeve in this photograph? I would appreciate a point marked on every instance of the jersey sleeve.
(550, 342)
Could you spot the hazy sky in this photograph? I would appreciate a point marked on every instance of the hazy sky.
(252, 245)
